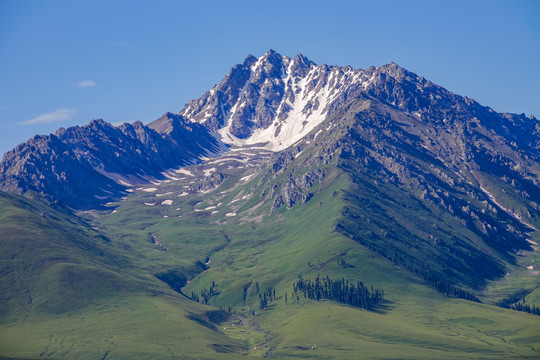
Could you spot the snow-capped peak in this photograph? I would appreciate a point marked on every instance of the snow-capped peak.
(274, 100)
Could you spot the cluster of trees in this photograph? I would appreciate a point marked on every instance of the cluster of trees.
(267, 297)
(445, 288)
(526, 308)
(206, 294)
(339, 290)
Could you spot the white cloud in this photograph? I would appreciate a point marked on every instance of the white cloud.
(55, 116)
(86, 84)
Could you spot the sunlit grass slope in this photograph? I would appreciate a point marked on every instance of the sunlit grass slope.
(69, 292)
(255, 250)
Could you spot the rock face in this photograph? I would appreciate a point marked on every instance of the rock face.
(441, 186)
(386, 118)
(274, 99)
(83, 167)
(389, 113)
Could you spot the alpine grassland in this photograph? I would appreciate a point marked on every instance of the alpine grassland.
(211, 274)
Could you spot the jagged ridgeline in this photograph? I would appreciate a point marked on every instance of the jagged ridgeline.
(86, 167)
(343, 176)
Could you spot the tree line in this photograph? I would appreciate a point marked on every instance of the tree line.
(206, 295)
(526, 308)
(341, 291)
(267, 297)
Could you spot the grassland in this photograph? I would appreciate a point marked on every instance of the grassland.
(100, 297)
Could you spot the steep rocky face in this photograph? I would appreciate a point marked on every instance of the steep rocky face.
(497, 153)
(274, 99)
(419, 196)
(91, 165)
(279, 101)
(433, 173)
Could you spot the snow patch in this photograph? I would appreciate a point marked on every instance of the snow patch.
(183, 171)
(247, 178)
(208, 172)
(166, 202)
(313, 96)
(508, 211)
(148, 189)
(122, 182)
(158, 195)
(170, 176)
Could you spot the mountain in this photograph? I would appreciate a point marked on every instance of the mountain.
(84, 167)
(274, 99)
(415, 152)
(260, 213)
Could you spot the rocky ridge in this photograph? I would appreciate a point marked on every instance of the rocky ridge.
(274, 102)
(85, 167)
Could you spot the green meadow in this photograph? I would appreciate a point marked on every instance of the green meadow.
(117, 283)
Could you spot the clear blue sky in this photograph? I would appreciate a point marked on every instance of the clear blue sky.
(64, 62)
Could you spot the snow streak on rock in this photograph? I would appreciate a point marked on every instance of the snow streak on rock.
(275, 100)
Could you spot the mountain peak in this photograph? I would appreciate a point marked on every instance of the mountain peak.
(274, 100)
(301, 65)
(165, 124)
(271, 52)
(250, 60)
(98, 123)
(299, 58)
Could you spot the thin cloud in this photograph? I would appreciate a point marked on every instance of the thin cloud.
(55, 116)
(86, 84)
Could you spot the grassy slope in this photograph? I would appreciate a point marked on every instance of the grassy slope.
(50, 260)
(138, 327)
(69, 292)
(415, 322)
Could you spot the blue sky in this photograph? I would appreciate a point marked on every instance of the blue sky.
(63, 63)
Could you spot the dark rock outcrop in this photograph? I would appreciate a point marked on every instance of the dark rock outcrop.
(84, 167)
